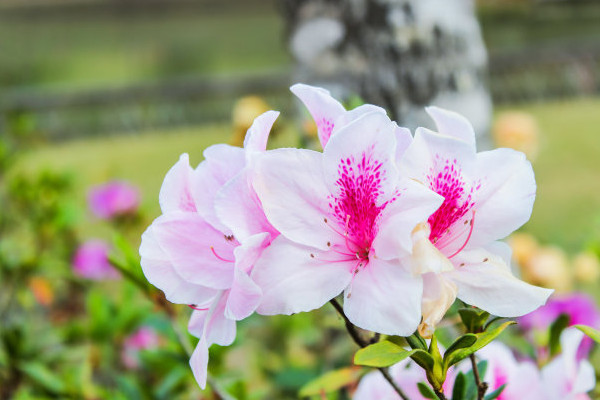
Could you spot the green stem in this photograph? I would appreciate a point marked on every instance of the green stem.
(481, 386)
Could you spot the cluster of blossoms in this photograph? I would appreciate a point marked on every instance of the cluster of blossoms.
(566, 377)
(401, 225)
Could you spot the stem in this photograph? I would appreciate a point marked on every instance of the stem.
(481, 386)
(439, 394)
(363, 343)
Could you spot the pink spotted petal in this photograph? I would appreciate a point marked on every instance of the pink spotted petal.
(199, 254)
(363, 149)
(384, 298)
(159, 271)
(397, 222)
(240, 210)
(506, 197)
(258, 134)
(452, 124)
(293, 281)
(175, 193)
(484, 280)
(199, 363)
(323, 108)
(291, 189)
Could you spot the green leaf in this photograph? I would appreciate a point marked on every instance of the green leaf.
(591, 332)
(426, 391)
(462, 342)
(473, 318)
(330, 382)
(483, 339)
(382, 354)
(43, 376)
(495, 393)
(423, 358)
(415, 341)
(556, 329)
(458, 391)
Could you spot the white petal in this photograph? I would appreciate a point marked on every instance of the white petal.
(484, 280)
(505, 199)
(323, 108)
(159, 271)
(175, 192)
(452, 124)
(212, 323)
(403, 140)
(384, 298)
(258, 134)
(244, 297)
(290, 186)
(439, 294)
(293, 281)
(398, 220)
(199, 363)
(425, 256)
(368, 139)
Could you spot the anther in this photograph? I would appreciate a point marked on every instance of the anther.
(312, 255)
(485, 259)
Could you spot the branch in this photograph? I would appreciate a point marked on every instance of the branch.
(363, 343)
(481, 386)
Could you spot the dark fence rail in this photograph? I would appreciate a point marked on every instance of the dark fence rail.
(538, 74)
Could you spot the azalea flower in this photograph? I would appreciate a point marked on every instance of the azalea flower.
(202, 249)
(345, 217)
(91, 261)
(566, 377)
(113, 199)
(145, 338)
(487, 195)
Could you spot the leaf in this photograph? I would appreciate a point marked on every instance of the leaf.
(415, 341)
(483, 339)
(426, 391)
(473, 318)
(458, 391)
(589, 331)
(423, 358)
(382, 354)
(331, 381)
(495, 393)
(556, 329)
(43, 376)
(462, 342)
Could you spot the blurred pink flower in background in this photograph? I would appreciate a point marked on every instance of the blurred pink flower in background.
(91, 261)
(113, 199)
(580, 307)
(144, 338)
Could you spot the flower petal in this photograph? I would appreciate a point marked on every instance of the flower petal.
(384, 298)
(323, 108)
(506, 197)
(258, 134)
(398, 220)
(212, 324)
(196, 250)
(244, 296)
(290, 186)
(484, 280)
(199, 363)
(295, 278)
(452, 124)
(403, 140)
(159, 271)
(175, 192)
(366, 146)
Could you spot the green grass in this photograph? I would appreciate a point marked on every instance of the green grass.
(567, 169)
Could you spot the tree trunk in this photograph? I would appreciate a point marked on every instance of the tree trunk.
(400, 54)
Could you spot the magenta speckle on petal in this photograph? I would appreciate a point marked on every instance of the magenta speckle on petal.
(325, 128)
(448, 182)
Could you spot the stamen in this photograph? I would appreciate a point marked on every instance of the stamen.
(468, 236)
(194, 307)
(218, 256)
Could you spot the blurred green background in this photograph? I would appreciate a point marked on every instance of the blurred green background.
(97, 90)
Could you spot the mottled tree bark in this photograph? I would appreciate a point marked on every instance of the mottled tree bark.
(399, 54)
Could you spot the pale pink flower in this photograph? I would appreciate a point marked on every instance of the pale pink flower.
(345, 217)
(144, 338)
(522, 378)
(487, 195)
(91, 261)
(113, 199)
(202, 249)
(566, 377)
